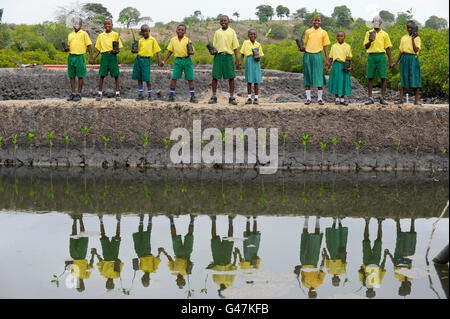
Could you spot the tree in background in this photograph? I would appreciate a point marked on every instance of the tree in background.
(282, 11)
(328, 23)
(130, 17)
(301, 13)
(436, 23)
(264, 13)
(343, 16)
(386, 16)
(236, 14)
(199, 15)
(1, 14)
(278, 32)
(403, 17)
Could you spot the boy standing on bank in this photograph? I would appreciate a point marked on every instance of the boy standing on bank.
(226, 43)
(377, 43)
(148, 46)
(109, 62)
(183, 62)
(78, 40)
(316, 40)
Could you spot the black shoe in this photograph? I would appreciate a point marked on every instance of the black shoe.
(255, 101)
(344, 102)
(369, 101)
(307, 102)
(77, 97)
(140, 97)
(149, 97)
(232, 100)
(383, 101)
(71, 97)
(171, 98)
(193, 99)
(320, 102)
(118, 97)
(212, 100)
(249, 101)
(99, 97)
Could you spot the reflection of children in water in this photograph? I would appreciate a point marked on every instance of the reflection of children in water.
(80, 268)
(221, 253)
(311, 276)
(142, 246)
(371, 272)
(182, 265)
(110, 265)
(405, 246)
(336, 239)
(251, 247)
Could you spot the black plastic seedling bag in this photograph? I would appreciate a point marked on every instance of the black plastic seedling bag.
(256, 53)
(115, 45)
(372, 35)
(212, 50)
(64, 45)
(347, 63)
(190, 48)
(134, 45)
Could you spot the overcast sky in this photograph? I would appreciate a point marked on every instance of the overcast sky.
(33, 12)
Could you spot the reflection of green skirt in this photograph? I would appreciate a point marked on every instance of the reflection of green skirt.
(339, 82)
(310, 248)
(221, 251)
(180, 249)
(252, 70)
(410, 71)
(313, 73)
(78, 247)
(336, 239)
(252, 240)
(405, 246)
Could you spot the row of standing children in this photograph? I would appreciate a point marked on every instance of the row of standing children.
(226, 44)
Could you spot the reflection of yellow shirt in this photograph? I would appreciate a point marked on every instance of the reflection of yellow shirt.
(106, 269)
(226, 41)
(179, 48)
(248, 264)
(148, 47)
(336, 267)
(374, 276)
(78, 41)
(312, 279)
(340, 52)
(149, 263)
(105, 40)
(381, 43)
(402, 277)
(81, 269)
(316, 39)
(406, 44)
(178, 266)
(225, 279)
(247, 47)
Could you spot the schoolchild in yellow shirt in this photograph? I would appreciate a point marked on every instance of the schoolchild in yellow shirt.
(183, 62)
(78, 40)
(148, 46)
(252, 65)
(109, 62)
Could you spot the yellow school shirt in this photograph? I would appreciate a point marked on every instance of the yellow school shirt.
(316, 39)
(149, 263)
(406, 44)
(247, 47)
(179, 48)
(374, 276)
(78, 41)
(312, 279)
(340, 52)
(336, 266)
(225, 279)
(178, 266)
(248, 264)
(381, 43)
(106, 269)
(105, 40)
(81, 269)
(225, 41)
(402, 277)
(148, 47)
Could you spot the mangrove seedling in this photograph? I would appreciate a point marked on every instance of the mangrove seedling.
(284, 136)
(66, 142)
(323, 146)
(16, 146)
(444, 151)
(105, 144)
(145, 139)
(397, 147)
(305, 140)
(50, 137)
(357, 147)
(334, 140)
(30, 138)
(263, 137)
(166, 142)
(84, 131)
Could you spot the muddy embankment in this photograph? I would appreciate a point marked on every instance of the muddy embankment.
(421, 131)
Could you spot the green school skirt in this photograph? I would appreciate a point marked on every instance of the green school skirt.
(410, 71)
(252, 70)
(221, 251)
(313, 73)
(405, 246)
(78, 247)
(339, 82)
(336, 239)
(253, 239)
(141, 69)
(310, 248)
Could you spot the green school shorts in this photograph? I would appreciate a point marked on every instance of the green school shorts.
(109, 63)
(221, 251)
(371, 256)
(78, 247)
(185, 65)
(223, 66)
(183, 250)
(376, 61)
(110, 248)
(141, 69)
(76, 66)
(142, 245)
